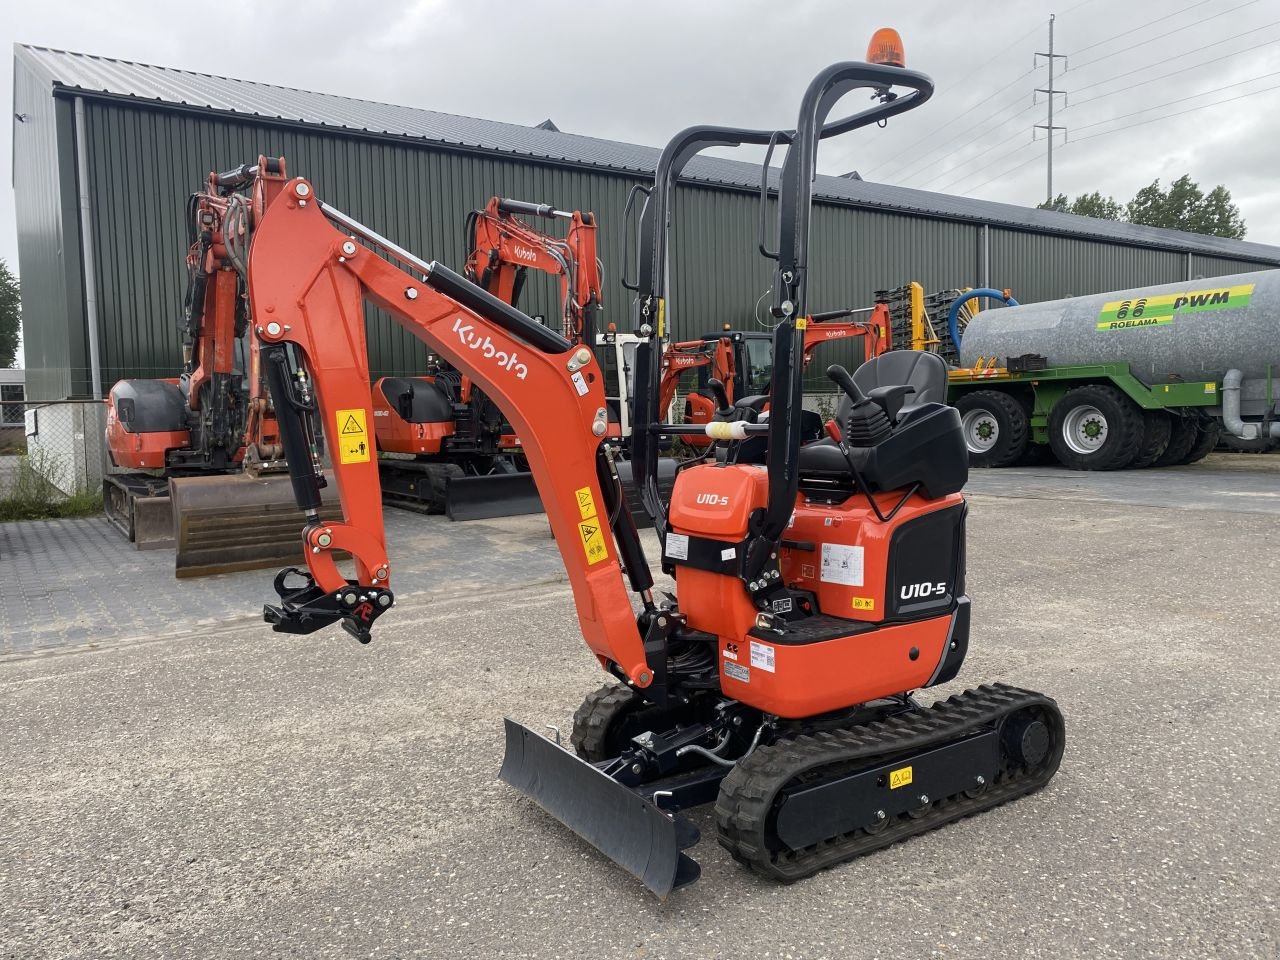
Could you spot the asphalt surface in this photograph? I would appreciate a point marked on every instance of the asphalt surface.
(235, 793)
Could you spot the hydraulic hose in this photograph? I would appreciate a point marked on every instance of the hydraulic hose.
(953, 326)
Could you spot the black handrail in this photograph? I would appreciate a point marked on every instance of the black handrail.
(795, 200)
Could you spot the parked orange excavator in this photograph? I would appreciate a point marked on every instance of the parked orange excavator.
(816, 585)
(450, 448)
(203, 446)
(747, 355)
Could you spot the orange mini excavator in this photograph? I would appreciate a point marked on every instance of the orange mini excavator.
(817, 586)
(450, 448)
(742, 361)
(201, 447)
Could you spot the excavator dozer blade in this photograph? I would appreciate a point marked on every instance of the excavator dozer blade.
(237, 522)
(138, 506)
(624, 826)
(494, 495)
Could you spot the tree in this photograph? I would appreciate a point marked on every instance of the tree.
(1184, 206)
(10, 315)
(1086, 205)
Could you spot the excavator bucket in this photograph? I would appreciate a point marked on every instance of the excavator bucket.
(627, 828)
(494, 495)
(236, 522)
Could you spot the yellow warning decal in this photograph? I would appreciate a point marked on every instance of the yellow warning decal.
(662, 318)
(802, 323)
(593, 540)
(586, 502)
(899, 778)
(863, 603)
(1210, 388)
(353, 436)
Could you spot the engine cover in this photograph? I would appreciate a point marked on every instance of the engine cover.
(874, 608)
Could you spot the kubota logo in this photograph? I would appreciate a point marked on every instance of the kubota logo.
(714, 499)
(505, 361)
(524, 253)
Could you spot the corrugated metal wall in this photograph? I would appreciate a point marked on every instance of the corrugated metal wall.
(1202, 266)
(144, 162)
(1038, 267)
(53, 331)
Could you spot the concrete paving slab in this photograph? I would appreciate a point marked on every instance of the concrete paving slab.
(66, 584)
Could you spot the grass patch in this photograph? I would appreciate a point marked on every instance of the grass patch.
(77, 505)
(35, 495)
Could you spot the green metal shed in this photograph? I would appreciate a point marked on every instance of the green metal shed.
(106, 152)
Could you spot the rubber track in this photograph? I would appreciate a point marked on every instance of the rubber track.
(747, 794)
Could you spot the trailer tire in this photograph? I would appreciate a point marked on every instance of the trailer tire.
(1095, 427)
(1207, 433)
(1183, 432)
(995, 428)
(1156, 430)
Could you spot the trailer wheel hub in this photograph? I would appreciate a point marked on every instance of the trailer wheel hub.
(1085, 429)
(981, 431)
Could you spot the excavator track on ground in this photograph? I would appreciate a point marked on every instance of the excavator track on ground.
(780, 812)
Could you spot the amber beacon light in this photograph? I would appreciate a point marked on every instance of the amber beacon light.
(886, 48)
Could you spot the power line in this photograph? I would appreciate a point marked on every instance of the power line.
(1079, 103)
(1083, 3)
(1002, 174)
(1167, 116)
(1107, 133)
(1204, 63)
(933, 133)
(996, 159)
(1170, 103)
(1194, 23)
(985, 132)
(1142, 26)
(1165, 76)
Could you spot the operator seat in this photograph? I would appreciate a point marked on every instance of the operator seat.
(927, 372)
(924, 442)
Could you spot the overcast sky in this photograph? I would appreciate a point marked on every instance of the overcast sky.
(640, 71)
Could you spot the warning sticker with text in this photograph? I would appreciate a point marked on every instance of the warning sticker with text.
(353, 436)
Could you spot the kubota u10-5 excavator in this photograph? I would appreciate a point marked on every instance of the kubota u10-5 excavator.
(816, 586)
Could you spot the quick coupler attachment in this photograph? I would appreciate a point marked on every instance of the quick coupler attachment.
(620, 821)
(305, 608)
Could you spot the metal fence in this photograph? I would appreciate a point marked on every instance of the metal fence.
(51, 450)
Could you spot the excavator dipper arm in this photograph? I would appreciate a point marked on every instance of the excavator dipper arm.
(307, 281)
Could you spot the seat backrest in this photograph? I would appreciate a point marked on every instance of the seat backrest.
(927, 372)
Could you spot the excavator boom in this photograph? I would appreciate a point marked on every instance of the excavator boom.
(308, 281)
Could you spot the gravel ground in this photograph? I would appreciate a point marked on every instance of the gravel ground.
(243, 794)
